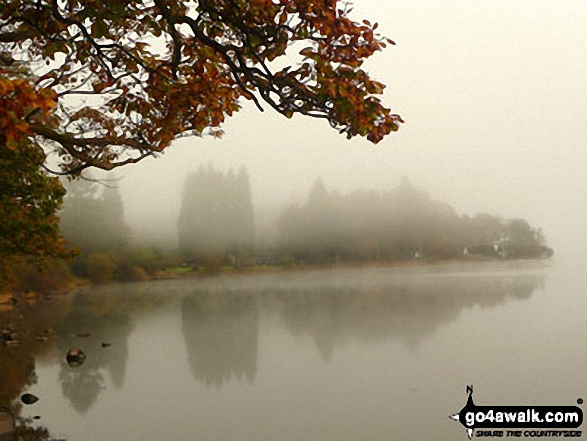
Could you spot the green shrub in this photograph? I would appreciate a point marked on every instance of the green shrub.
(26, 276)
(100, 268)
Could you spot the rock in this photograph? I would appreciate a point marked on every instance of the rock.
(75, 357)
(29, 398)
(41, 339)
(7, 334)
(10, 337)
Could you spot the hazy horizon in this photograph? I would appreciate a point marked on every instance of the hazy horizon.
(491, 96)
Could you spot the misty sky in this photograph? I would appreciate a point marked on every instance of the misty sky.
(494, 95)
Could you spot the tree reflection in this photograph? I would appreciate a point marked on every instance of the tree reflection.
(410, 309)
(27, 333)
(220, 320)
(105, 316)
(220, 329)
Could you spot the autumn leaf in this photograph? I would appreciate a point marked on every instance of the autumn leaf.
(149, 72)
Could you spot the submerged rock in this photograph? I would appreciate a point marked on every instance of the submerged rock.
(75, 357)
(29, 398)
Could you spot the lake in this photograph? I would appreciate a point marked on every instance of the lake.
(351, 354)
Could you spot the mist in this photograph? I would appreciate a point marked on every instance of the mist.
(492, 95)
(284, 283)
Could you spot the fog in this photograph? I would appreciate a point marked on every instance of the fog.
(493, 95)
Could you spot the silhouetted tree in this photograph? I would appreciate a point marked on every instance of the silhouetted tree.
(402, 223)
(216, 216)
(92, 218)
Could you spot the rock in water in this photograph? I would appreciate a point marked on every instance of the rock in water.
(75, 357)
(7, 334)
(29, 399)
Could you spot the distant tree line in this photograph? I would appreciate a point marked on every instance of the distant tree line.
(92, 217)
(216, 220)
(92, 220)
(216, 228)
(403, 223)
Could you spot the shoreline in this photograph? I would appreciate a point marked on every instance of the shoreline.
(8, 299)
(268, 269)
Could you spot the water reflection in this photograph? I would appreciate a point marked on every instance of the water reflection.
(408, 309)
(99, 325)
(220, 320)
(228, 326)
(220, 329)
(28, 330)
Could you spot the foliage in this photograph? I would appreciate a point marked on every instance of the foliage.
(150, 72)
(159, 69)
(100, 267)
(400, 224)
(29, 197)
(126, 272)
(92, 217)
(523, 240)
(125, 264)
(27, 277)
(216, 215)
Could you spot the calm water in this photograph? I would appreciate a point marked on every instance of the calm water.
(355, 354)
